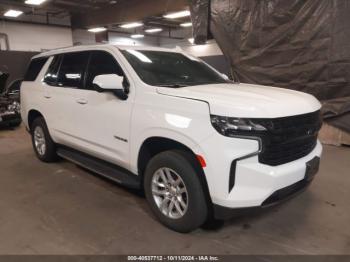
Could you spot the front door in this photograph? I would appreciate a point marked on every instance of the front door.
(102, 119)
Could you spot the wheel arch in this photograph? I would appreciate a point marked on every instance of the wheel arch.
(154, 145)
(32, 115)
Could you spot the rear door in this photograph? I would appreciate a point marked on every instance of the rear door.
(64, 79)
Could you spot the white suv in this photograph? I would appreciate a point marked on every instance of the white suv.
(198, 144)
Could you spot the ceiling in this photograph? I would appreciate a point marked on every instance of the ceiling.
(62, 6)
(90, 13)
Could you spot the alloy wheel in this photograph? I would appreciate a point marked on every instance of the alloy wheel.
(39, 140)
(169, 193)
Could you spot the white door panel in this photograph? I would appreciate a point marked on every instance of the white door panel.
(61, 113)
(102, 125)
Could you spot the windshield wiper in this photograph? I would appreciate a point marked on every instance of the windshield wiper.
(172, 85)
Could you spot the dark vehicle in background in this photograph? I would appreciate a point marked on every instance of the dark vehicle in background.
(10, 114)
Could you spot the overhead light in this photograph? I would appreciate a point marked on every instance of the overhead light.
(131, 25)
(34, 2)
(137, 36)
(154, 30)
(97, 29)
(177, 14)
(186, 24)
(13, 13)
(191, 40)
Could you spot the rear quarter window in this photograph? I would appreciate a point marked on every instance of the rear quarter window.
(34, 68)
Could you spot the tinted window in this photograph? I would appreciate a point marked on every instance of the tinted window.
(71, 73)
(101, 63)
(171, 69)
(34, 68)
(51, 74)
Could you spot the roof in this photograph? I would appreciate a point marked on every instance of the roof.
(99, 46)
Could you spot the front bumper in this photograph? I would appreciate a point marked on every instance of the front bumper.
(279, 196)
(254, 182)
(9, 118)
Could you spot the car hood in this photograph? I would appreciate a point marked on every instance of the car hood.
(247, 100)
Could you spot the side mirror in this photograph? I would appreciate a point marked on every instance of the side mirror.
(111, 82)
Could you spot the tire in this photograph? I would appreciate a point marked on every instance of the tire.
(179, 164)
(46, 153)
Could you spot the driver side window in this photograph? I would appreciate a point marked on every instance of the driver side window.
(101, 63)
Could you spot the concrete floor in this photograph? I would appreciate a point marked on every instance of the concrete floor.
(63, 209)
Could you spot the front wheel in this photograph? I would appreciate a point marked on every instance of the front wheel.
(174, 191)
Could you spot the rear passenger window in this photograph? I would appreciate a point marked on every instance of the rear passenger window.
(34, 68)
(101, 63)
(73, 66)
(51, 74)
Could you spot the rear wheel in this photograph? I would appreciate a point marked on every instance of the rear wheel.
(43, 144)
(174, 191)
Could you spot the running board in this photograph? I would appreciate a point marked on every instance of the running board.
(101, 167)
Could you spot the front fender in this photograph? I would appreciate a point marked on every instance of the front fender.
(164, 133)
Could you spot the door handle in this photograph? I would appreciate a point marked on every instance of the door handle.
(82, 101)
(47, 96)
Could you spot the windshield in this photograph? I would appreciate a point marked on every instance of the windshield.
(158, 68)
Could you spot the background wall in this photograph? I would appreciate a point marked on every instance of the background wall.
(25, 41)
(32, 37)
(15, 63)
(82, 37)
(124, 39)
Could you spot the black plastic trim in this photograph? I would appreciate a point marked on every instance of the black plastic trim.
(279, 196)
(232, 179)
(285, 193)
(101, 167)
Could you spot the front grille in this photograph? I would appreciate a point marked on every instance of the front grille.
(289, 138)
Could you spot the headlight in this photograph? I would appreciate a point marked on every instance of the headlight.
(230, 126)
(14, 107)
